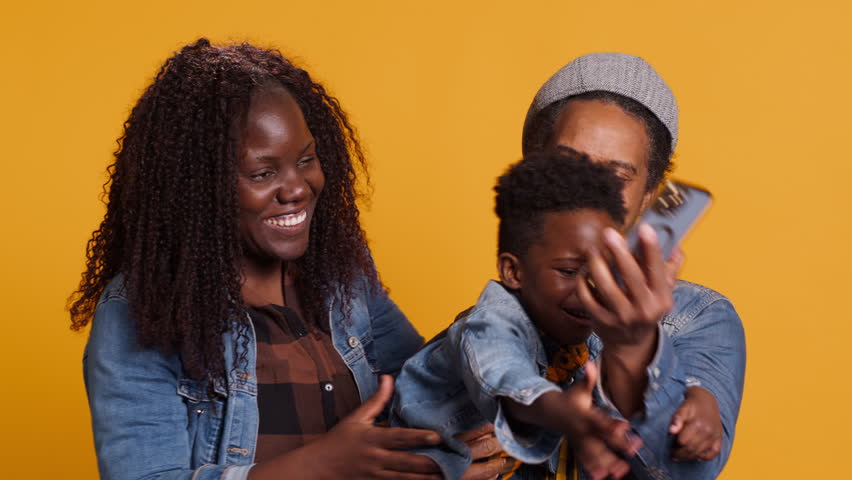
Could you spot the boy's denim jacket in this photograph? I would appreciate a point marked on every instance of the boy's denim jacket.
(151, 421)
(452, 385)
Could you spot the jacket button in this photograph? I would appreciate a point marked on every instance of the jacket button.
(353, 342)
(328, 387)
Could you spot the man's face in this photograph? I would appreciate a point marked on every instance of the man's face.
(609, 135)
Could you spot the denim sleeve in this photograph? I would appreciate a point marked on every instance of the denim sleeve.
(138, 419)
(710, 349)
(394, 337)
(497, 349)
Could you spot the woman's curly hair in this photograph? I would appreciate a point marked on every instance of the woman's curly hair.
(171, 226)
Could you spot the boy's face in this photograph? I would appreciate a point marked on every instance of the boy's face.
(546, 276)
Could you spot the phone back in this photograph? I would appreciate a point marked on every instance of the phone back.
(675, 210)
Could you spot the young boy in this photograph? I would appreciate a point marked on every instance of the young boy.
(509, 359)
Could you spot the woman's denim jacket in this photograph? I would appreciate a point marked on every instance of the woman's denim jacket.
(150, 421)
(494, 350)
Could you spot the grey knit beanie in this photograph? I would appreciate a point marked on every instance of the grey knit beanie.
(618, 73)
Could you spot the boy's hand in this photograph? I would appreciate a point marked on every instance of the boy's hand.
(627, 318)
(698, 426)
(599, 436)
(589, 431)
(598, 460)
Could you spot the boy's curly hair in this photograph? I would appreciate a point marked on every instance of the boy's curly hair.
(551, 182)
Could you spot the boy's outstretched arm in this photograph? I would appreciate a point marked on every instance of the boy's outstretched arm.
(594, 436)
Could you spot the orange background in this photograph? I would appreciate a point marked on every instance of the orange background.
(439, 91)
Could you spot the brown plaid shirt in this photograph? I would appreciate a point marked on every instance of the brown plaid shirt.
(304, 387)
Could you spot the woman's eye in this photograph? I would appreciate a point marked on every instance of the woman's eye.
(304, 161)
(260, 175)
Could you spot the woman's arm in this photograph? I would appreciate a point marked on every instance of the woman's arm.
(142, 429)
(139, 421)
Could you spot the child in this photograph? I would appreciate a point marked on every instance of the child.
(508, 359)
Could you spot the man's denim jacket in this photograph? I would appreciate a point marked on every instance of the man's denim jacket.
(452, 385)
(151, 421)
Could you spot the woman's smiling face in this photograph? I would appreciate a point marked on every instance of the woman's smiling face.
(279, 178)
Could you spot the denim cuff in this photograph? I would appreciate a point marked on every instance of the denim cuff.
(236, 472)
(221, 472)
(525, 391)
(534, 445)
(666, 382)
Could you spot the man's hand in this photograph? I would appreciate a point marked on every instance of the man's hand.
(489, 461)
(698, 426)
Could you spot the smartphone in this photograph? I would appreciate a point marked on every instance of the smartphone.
(675, 210)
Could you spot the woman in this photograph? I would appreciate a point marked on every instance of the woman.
(238, 322)
(619, 111)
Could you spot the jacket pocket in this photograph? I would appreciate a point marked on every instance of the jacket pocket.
(204, 416)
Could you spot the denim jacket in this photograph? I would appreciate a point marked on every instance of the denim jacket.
(494, 350)
(151, 421)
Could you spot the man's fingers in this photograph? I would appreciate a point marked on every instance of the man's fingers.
(490, 469)
(696, 442)
(712, 452)
(683, 413)
(677, 423)
(474, 434)
(484, 447)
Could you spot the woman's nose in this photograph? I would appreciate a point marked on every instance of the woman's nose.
(292, 188)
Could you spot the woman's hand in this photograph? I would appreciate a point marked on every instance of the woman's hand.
(698, 426)
(357, 449)
(489, 461)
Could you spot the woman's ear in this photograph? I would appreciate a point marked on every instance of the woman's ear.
(509, 267)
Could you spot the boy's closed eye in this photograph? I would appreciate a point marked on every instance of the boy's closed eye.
(568, 272)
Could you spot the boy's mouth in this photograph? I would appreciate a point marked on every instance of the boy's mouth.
(579, 316)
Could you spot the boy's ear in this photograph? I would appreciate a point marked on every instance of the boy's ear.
(509, 267)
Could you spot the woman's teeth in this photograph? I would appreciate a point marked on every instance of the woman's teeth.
(288, 220)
